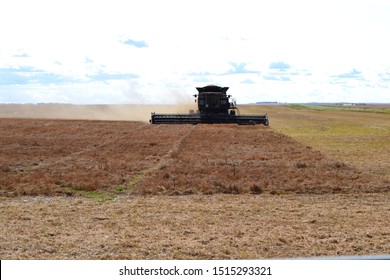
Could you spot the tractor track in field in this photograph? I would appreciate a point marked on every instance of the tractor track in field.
(165, 160)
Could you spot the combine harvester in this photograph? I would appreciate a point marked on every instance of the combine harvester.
(214, 106)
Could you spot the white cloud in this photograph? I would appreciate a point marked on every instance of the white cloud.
(106, 49)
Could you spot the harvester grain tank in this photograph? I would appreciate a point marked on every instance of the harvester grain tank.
(214, 106)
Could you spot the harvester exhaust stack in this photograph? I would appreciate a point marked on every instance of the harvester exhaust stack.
(214, 106)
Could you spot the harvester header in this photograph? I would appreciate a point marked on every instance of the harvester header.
(214, 106)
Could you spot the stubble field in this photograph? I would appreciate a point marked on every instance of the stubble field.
(314, 183)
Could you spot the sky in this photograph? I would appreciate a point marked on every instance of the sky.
(157, 52)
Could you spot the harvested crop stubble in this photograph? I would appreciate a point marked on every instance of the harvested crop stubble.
(195, 227)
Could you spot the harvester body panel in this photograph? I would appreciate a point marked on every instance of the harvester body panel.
(214, 107)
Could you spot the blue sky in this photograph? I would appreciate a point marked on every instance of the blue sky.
(144, 51)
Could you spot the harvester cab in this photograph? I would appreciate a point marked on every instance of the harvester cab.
(214, 106)
(214, 100)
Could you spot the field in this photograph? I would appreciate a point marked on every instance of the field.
(75, 185)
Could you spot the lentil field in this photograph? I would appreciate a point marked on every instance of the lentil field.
(91, 186)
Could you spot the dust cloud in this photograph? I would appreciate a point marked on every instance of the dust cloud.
(128, 112)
